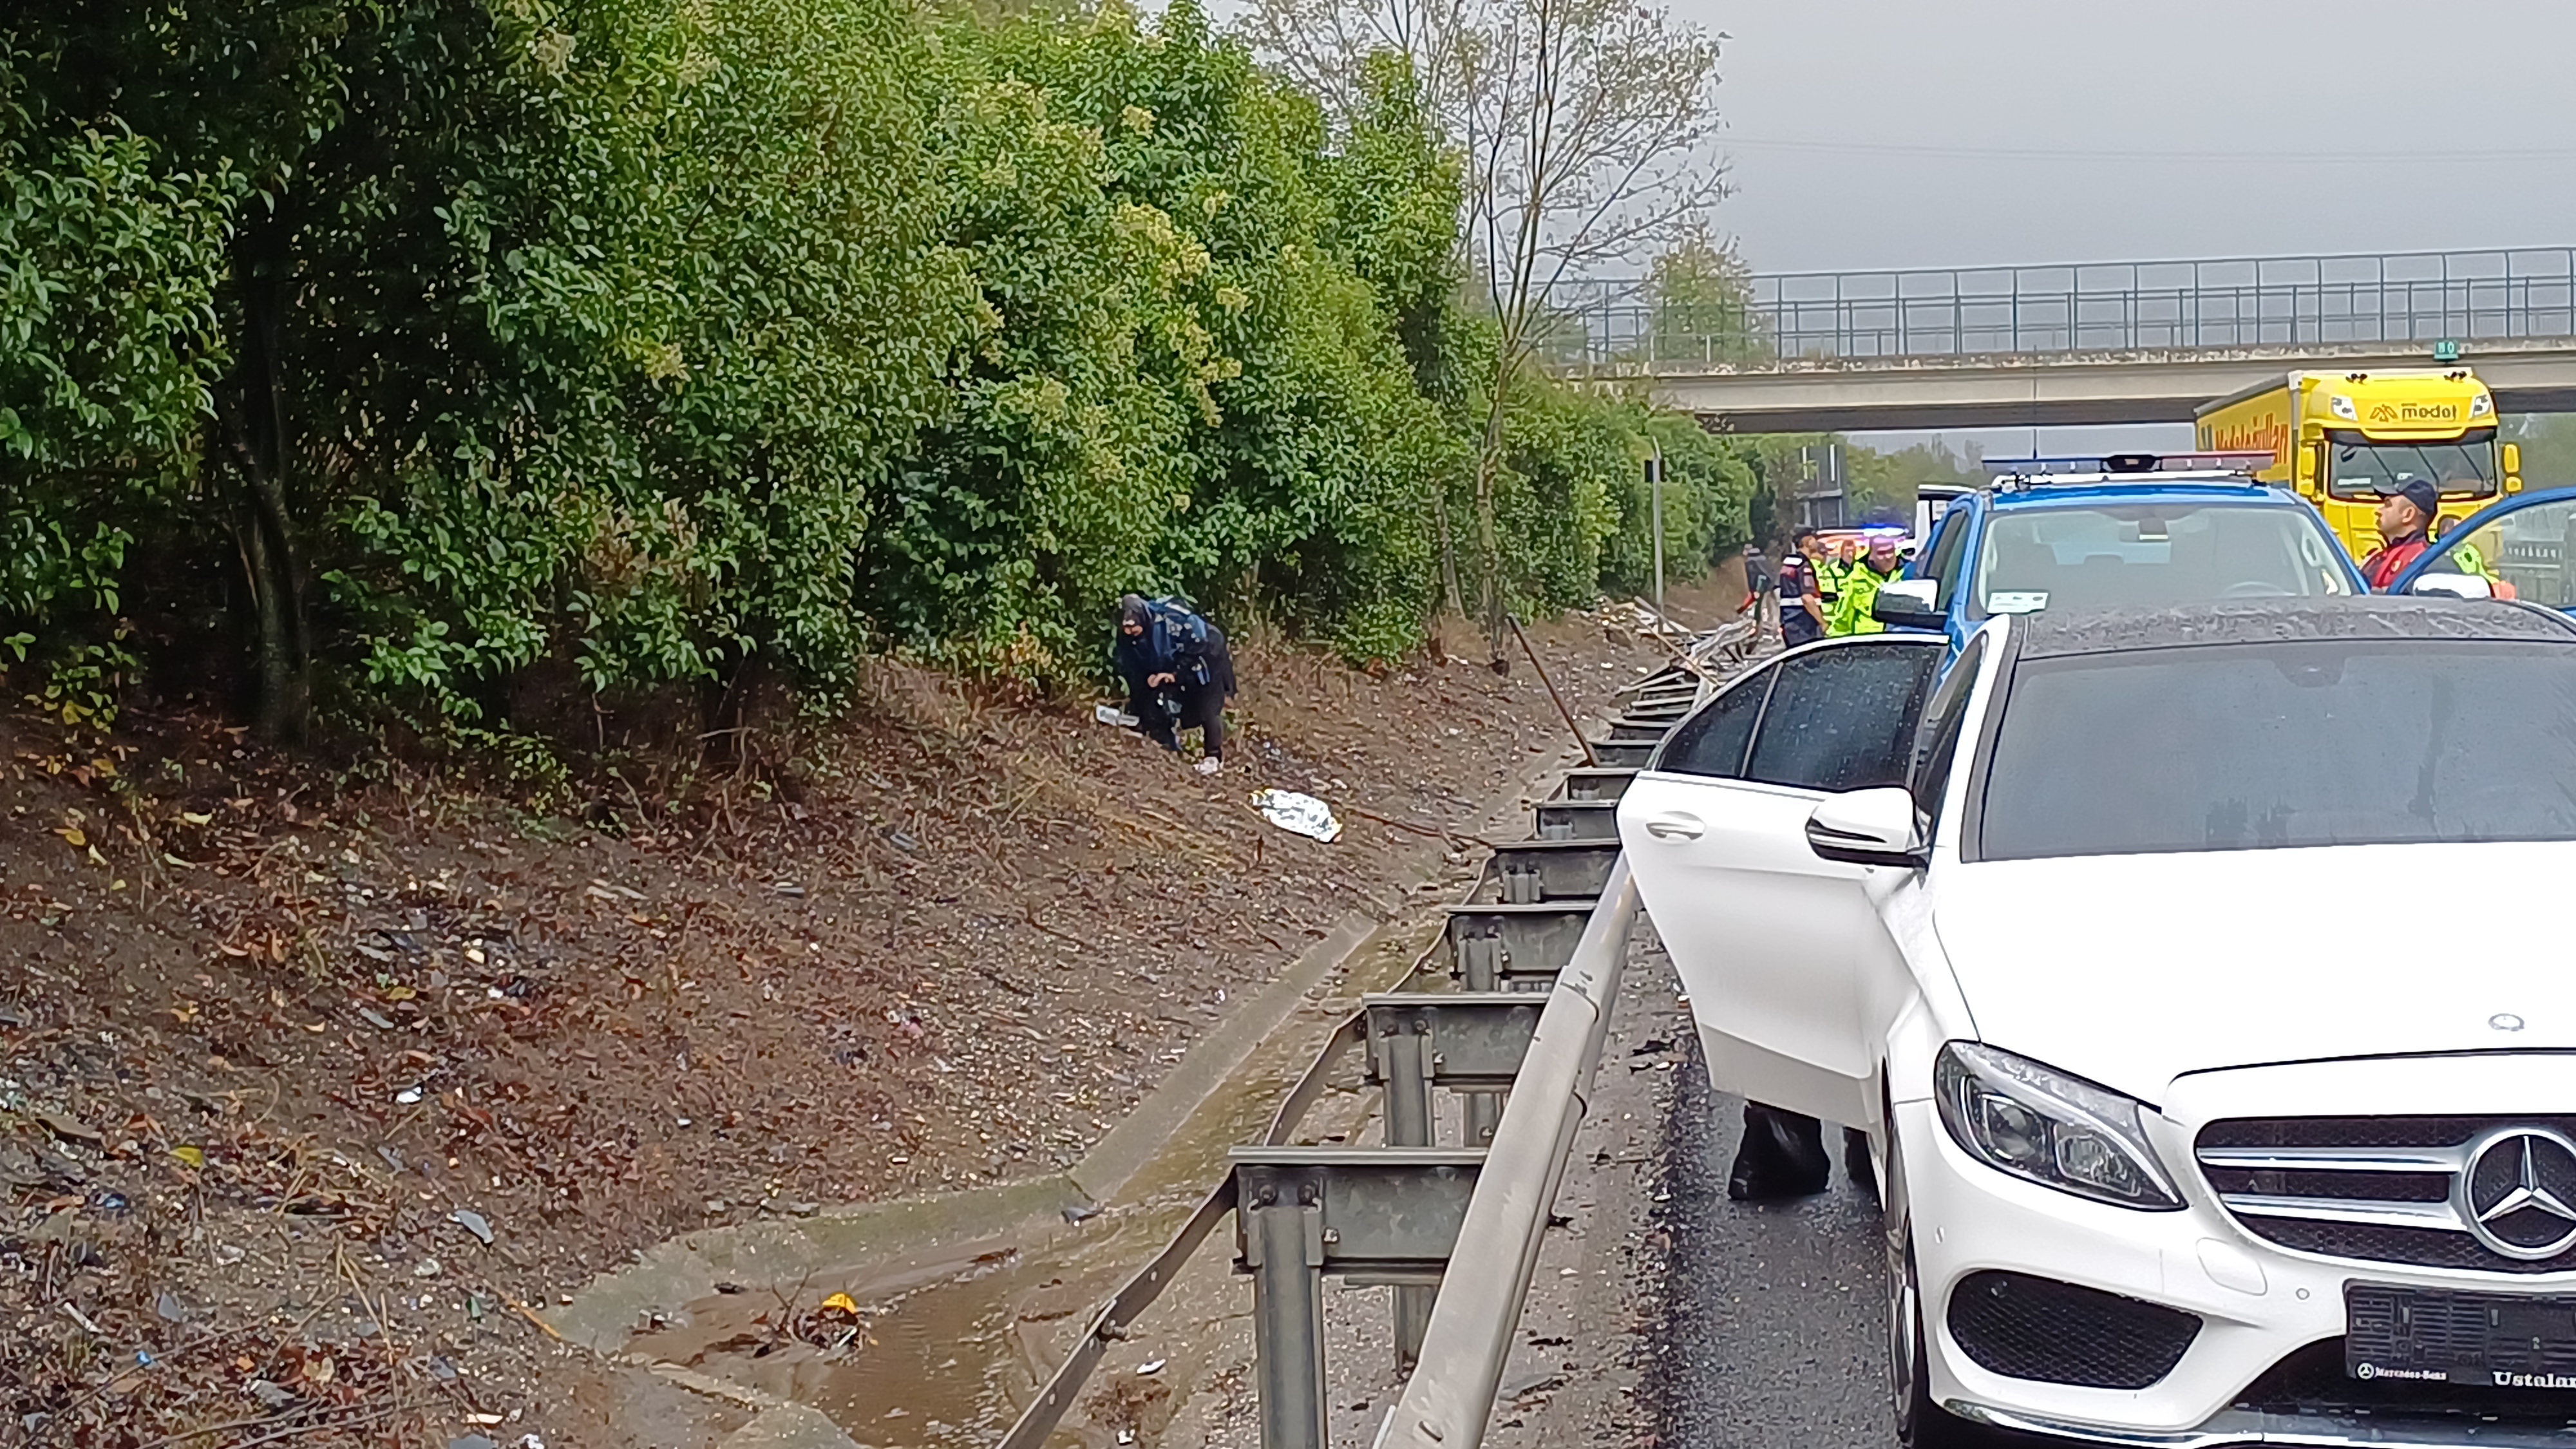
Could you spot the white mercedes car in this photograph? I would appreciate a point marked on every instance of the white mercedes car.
(2204, 982)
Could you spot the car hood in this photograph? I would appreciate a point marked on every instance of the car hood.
(2134, 970)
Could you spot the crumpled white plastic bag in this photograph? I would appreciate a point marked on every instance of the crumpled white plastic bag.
(1303, 814)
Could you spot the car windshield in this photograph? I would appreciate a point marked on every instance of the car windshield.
(2255, 746)
(2146, 555)
(2364, 469)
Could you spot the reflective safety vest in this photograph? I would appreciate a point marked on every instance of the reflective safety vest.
(1851, 614)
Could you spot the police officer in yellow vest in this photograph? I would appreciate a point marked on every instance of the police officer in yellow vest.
(1860, 589)
(1832, 567)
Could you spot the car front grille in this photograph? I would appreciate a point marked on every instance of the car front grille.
(2039, 1328)
(2487, 1194)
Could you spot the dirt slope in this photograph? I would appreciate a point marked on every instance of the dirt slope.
(278, 1051)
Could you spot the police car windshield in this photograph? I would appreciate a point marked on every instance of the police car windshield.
(2254, 746)
(2145, 555)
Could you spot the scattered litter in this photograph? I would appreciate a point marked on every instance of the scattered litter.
(1299, 814)
(170, 1308)
(69, 1130)
(1110, 714)
(80, 1318)
(429, 1268)
(375, 1018)
(271, 1396)
(473, 1222)
(1151, 1366)
(193, 1156)
(472, 1441)
(408, 1096)
(841, 1303)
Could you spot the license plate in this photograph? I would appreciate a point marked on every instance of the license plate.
(2432, 1335)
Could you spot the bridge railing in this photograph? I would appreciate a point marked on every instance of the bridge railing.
(2399, 298)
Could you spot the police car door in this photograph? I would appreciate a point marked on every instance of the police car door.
(1772, 941)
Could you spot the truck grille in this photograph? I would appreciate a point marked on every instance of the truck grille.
(2487, 1194)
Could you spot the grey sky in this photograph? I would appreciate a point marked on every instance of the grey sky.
(2057, 130)
(1934, 133)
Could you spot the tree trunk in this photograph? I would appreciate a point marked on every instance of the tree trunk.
(262, 520)
(1489, 461)
(1449, 601)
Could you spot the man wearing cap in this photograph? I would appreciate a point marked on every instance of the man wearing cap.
(1853, 611)
(2405, 517)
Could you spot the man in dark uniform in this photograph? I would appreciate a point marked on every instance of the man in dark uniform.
(1802, 607)
(1178, 673)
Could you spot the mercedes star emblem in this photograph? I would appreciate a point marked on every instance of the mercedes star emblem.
(2518, 1188)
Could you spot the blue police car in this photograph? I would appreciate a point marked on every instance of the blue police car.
(2130, 530)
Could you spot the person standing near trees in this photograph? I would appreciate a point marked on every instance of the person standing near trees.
(1178, 673)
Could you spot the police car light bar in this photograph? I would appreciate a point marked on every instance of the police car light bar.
(2100, 464)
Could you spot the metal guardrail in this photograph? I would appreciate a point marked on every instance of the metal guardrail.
(2401, 298)
(1549, 917)
(1446, 1403)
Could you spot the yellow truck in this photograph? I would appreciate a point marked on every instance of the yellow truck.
(2341, 438)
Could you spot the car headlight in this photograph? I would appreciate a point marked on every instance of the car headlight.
(2342, 407)
(2017, 1116)
(2481, 405)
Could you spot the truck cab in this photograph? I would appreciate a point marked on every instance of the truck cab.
(2340, 440)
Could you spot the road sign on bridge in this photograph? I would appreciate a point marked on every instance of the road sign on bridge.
(2127, 342)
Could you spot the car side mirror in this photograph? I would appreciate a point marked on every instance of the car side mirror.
(2451, 586)
(1868, 827)
(1908, 604)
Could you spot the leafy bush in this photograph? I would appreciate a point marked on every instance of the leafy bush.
(489, 365)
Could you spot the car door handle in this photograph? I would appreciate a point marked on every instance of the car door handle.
(1675, 826)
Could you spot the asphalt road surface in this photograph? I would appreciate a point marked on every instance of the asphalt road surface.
(1774, 1315)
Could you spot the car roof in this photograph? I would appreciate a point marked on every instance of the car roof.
(2074, 495)
(2271, 621)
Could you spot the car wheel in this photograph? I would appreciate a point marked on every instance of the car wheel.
(1920, 1423)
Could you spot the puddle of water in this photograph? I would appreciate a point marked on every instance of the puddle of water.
(934, 1372)
(954, 1344)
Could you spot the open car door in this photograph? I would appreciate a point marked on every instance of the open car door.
(1772, 940)
(2522, 548)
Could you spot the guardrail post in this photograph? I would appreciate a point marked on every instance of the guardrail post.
(1403, 1063)
(1480, 961)
(1283, 1245)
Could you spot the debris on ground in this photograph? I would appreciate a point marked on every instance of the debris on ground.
(315, 1074)
(1299, 814)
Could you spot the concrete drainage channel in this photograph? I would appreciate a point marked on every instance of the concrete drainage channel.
(1493, 1030)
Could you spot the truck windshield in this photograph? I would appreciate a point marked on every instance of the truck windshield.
(2151, 554)
(2256, 746)
(2360, 468)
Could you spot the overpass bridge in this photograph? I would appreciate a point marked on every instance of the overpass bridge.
(2124, 342)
